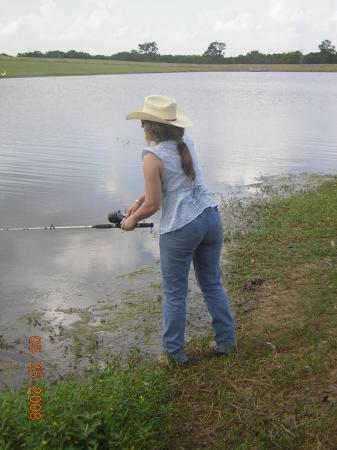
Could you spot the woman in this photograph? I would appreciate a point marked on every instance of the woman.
(190, 225)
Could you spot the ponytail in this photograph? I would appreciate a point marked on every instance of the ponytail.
(186, 160)
(163, 131)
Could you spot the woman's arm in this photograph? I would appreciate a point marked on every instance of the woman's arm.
(152, 167)
(136, 205)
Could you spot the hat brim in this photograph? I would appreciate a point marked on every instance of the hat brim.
(181, 121)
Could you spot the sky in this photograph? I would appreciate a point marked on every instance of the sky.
(177, 26)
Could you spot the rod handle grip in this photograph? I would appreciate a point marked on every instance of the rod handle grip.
(104, 225)
(144, 225)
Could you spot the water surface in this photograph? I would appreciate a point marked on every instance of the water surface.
(68, 156)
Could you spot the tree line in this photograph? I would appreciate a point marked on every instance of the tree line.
(214, 54)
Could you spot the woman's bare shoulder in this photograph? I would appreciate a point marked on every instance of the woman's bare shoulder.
(152, 161)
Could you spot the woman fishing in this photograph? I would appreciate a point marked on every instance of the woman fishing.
(190, 225)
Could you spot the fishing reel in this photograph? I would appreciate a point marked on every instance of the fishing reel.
(116, 217)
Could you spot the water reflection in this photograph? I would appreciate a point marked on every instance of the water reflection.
(64, 262)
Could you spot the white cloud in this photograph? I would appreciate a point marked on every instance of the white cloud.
(101, 21)
(242, 22)
(48, 7)
(275, 7)
(141, 32)
(181, 37)
(279, 12)
(94, 22)
(103, 4)
(13, 27)
(333, 18)
(41, 18)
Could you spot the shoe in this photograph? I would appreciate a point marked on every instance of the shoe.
(213, 347)
(166, 361)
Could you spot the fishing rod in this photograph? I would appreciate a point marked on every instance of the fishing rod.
(115, 218)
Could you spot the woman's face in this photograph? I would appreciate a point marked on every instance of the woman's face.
(148, 136)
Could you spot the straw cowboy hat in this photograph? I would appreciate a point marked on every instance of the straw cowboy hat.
(163, 109)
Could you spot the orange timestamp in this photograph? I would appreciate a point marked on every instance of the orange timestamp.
(35, 370)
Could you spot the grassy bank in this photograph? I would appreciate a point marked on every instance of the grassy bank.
(277, 390)
(38, 67)
(280, 389)
(111, 409)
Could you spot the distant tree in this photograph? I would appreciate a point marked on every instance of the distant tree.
(327, 52)
(34, 54)
(292, 57)
(148, 48)
(255, 57)
(215, 49)
(77, 55)
(327, 47)
(148, 51)
(55, 54)
(100, 57)
(313, 58)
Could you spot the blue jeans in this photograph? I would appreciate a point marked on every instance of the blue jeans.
(200, 241)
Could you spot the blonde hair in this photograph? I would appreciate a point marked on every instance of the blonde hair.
(163, 132)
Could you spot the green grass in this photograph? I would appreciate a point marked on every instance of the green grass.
(276, 391)
(117, 408)
(38, 67)
(293, 233)
(279, 389)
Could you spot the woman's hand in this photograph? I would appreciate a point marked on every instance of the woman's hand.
(128, 224)
(136, 205)
(133, 208)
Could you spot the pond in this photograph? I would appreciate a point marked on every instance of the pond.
(69, 157)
